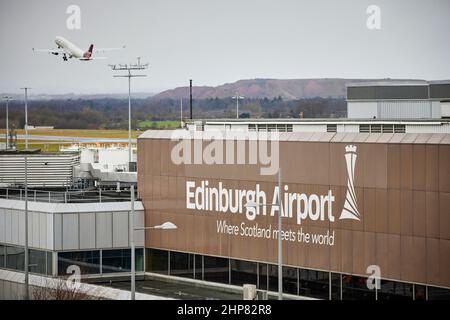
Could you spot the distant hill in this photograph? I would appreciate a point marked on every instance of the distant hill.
(288, 89)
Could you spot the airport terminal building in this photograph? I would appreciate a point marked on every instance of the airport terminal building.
(351, 202)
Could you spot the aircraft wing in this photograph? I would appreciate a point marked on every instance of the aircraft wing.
(103, 50)
(52, 51)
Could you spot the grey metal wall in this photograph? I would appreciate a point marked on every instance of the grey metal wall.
(70, 226)
(394, 109)
(44, 170)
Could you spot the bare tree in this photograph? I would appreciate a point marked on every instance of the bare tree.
(61, 290)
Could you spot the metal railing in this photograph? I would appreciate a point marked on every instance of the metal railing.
(79, 196)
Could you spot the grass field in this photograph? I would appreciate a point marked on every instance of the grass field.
(165, 124)
(80, 133)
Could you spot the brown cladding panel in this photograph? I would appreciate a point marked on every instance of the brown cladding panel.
(413, 259)
(404, 227)
(432, 168)
(444, 168)
(419, 167)
(444, 216)
(419, 214)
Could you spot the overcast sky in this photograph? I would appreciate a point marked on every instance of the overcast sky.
(215, 42)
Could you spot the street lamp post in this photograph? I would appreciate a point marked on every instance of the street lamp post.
(164, 226)
(237, 97)
(26, 262)
(280, 244)
(7, 98)
(129, 67)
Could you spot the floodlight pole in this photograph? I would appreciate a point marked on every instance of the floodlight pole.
(7, 120)
(129, 68)
(26, 266)
(237, 97)
(26, 115)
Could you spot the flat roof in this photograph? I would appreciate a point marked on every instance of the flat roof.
(347, 137)
(319, 121)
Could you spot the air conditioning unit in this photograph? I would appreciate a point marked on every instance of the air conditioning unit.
(249, 292)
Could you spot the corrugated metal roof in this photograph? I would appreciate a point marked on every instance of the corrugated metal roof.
(422, 138)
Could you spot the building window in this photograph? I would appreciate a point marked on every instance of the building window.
(116, 261)
(119, 260)
(2, 256)
(182, 264)
(158, 261)
(262, 276)
(272, 274)
(243, 272)
(88, 261)
(399, 128)
(331, 127)
(38, 261)
(15, 258)
(375, 128)
(216, 269)
(335, 286)
(364, 128)
(252, 127)
(314, 284)
(387, 128)
(198, 262)
(438, 293)
(420, 292)
(355, 288)
(392, 290)
(290, 280)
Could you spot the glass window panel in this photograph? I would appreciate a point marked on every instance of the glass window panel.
(393, 290)
(216, 269)
(262, 283)
(355, 288)
(314, 284)
(243, 272)
(158, 261)
(420, 292)
(88, 261)
(15, 258)
(37, 261)
(2, 256)
(272, 274)
(139, 259)
(198, 267)
(438, 293)
(335, 286)
(182, 264)
(49, 263)
(290, 280)
(118, 260)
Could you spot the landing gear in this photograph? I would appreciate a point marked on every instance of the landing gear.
(64, 57)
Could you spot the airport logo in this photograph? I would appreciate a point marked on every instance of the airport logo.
(350, 210)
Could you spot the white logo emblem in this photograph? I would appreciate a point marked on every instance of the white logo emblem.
(350, 210)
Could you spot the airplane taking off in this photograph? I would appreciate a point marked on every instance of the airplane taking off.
(68, 50)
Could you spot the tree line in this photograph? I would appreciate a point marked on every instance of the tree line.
(112, 113)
